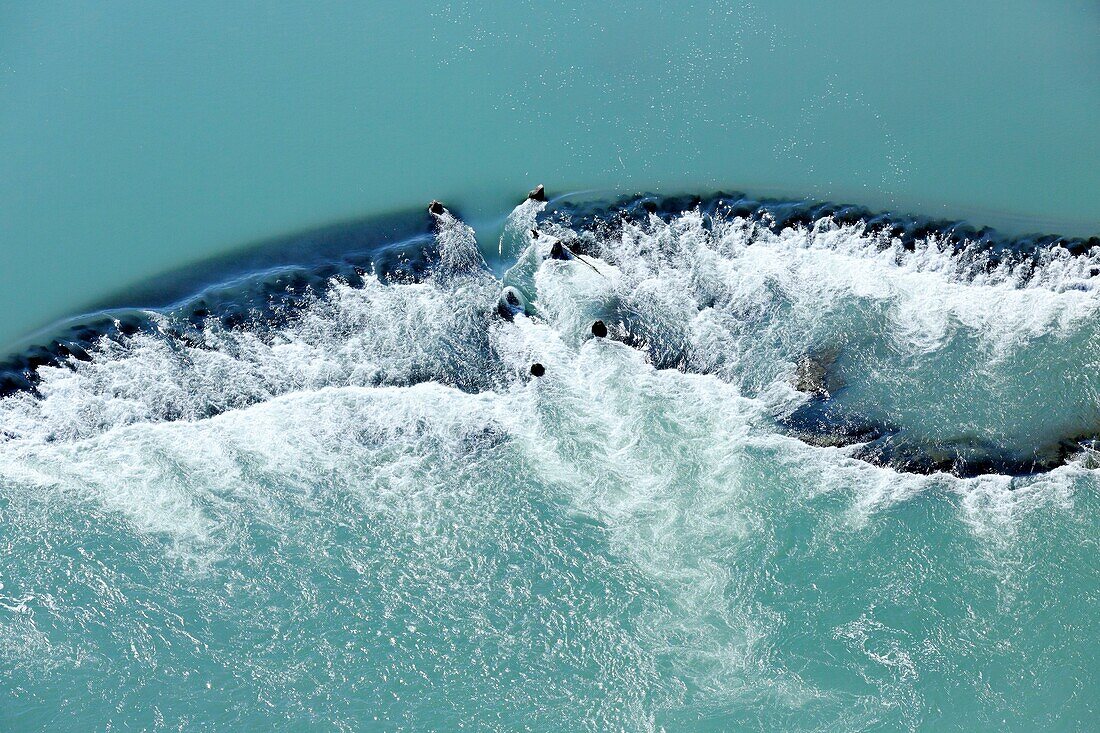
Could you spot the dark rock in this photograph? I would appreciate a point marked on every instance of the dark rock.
(537, 370)
(538, 194)
(435, 208)
(558, 251)
(599, 329)
(510, 304)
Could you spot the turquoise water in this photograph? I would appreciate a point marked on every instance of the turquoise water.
(830, 470)
(363, 513)
(140, 136)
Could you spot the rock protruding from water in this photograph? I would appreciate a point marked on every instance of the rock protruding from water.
(436, 208)
(511, 304)
(538, 193)
(558, 251)
(599, 329)
(537, 370)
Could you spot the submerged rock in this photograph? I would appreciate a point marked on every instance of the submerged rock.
(268, 297)
(815, 373)
(827, 423)
(962, 457)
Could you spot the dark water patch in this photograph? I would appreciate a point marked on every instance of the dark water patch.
(964, 457)
(824, 419)
(396, 246)
(259, 287)
(262, 289)
(825, 422)
(980, 249)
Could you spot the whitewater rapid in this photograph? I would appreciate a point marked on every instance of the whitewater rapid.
(366, 513)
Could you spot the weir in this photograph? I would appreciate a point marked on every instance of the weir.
(722, 285)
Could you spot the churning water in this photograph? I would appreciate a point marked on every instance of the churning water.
(827, 471)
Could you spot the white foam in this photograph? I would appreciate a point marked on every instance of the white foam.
(736, 297)
(396, 427)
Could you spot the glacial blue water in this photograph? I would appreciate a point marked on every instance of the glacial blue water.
(139, 136)
(359, 510)
(832, 468)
